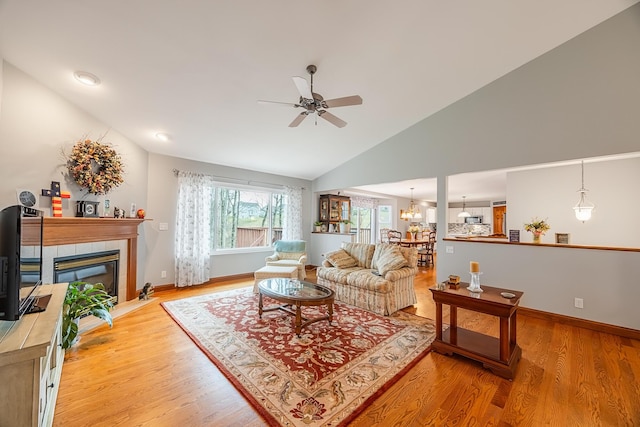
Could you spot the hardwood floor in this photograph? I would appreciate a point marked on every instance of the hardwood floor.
(147, 372)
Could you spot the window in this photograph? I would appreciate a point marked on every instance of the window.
(246, 217)
(385, 217)
(361, 224)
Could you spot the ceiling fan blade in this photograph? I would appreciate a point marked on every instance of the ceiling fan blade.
(288, 104)
(298, 119)
(303, 87)
(342, 102)
(332, 119)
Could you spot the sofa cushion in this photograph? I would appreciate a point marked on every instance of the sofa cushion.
(361, 252)
(388, 257)
(337, 275)
(341, 259)
(365, 279)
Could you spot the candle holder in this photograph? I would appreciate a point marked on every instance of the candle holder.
(474, 285)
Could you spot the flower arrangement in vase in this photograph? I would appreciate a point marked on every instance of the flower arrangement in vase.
(414, 230)
(538, 228)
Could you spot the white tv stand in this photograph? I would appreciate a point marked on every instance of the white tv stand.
(31, 358)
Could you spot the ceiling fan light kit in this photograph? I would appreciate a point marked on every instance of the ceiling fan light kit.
(314, 103)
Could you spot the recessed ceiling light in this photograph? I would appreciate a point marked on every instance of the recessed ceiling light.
(164, 137)
(86, 78)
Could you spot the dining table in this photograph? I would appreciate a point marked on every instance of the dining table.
(414, 242)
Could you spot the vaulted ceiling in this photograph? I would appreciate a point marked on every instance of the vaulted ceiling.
(196, 69)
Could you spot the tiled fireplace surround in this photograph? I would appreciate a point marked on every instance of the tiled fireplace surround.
(49, 253)
(74, 236)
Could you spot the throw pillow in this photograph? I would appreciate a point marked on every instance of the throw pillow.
(341, 259)
(390, 259)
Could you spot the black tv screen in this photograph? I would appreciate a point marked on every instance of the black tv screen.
(21, 231)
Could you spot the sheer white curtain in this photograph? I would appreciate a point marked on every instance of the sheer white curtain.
(292, 221)
(193, 229)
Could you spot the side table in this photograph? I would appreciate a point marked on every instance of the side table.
(499, 355)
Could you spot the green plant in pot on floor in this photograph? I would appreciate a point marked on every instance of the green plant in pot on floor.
(83, 299)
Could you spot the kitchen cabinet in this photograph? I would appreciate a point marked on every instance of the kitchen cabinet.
(487, 215)
(333, 209)
(453, 216)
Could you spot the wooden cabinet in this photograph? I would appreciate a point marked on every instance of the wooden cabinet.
(333, 209)
(31, 357)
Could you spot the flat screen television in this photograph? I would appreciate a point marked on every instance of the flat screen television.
(21, 231)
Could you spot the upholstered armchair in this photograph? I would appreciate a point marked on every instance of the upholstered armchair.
(290, 253)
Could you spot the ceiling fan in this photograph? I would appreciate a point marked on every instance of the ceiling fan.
(313, 102)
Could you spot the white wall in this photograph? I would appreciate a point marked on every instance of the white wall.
(552, 277)
(579, 100)
(163, 188)
(36, 127)
(551, 194)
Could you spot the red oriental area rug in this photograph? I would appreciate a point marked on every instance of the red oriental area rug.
(325, 377)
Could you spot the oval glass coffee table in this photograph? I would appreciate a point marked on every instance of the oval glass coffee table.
(295, 294)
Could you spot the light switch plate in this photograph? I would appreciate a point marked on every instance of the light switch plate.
(163, 226)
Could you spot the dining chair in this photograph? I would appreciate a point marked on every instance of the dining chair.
(425, 252)
(395, 237)
(384, 235)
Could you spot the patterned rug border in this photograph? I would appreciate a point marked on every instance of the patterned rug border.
(268, 417)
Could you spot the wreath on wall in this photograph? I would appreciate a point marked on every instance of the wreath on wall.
(95, 166)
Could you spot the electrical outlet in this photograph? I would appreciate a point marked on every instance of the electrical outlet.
(163, 274)
(578, 302)
(449, 249)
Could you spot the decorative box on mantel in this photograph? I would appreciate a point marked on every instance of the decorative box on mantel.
(67, 230)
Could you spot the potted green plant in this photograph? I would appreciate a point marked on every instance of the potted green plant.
(83, 299)
(318, 226)
(345, 226)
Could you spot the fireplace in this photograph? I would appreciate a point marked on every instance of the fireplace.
(97, 267)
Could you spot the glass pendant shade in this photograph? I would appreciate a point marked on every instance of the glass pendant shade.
(464, 213)
(583, 208)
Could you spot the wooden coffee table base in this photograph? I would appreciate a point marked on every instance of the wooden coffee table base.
(296, 294)
(300, 322)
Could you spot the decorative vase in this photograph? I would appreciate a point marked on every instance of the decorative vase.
(474, 284)
(344, 228)
(414, 236)
(536, 236)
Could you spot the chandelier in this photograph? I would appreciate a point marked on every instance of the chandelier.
(464, 213)
(583, 208)
(413, 212)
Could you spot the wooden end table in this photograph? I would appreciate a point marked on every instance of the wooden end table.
(296, 293)
(499, 355)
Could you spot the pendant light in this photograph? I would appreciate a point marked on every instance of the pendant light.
(464, 213)
(413, 212)
(583, 208)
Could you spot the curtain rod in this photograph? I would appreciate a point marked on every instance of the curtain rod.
(249, 182)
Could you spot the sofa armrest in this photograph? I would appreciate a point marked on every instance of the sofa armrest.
(273, 257)
(326, 263)
(401, 273)
(303, 259)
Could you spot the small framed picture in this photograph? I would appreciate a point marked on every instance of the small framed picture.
(514, 235)
(562, 238)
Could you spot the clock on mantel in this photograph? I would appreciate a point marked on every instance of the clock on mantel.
(87, 209)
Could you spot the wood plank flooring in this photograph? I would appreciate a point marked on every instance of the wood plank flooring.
(147, 372)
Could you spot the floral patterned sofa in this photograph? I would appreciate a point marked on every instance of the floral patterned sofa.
(350, 272)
